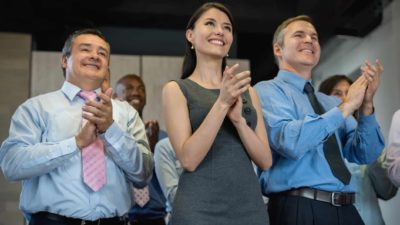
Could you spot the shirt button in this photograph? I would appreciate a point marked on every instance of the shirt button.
(247, 110)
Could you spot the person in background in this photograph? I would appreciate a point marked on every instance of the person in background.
(168, 170)
(215, 126)
(132, 89)
(310, 133)
(372, 181)
(393, 153)
(75, 150)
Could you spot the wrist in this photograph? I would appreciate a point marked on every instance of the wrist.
(239, 122)
(221, 106)
(346, 109)
(79, 142)
(367, 108)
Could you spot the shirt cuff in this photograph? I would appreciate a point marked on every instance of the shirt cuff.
(334, 119)
(113, 133)
(367, 122)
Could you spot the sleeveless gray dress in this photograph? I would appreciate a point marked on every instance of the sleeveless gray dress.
(224, 189)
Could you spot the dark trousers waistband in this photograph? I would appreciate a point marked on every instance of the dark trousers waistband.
(51, 218)
(334, 198)
(159, 221)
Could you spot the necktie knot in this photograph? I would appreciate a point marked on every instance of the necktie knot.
(87, 95)
(308, 88)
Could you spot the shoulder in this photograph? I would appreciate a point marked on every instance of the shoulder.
(43, 100)
(396, 115)
(123, 107)
(273, 90)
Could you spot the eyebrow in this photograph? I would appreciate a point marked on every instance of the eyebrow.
(90, 45)
(303, 32)
(212, 19)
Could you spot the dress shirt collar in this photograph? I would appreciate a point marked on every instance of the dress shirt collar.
(296, 80)
(70, 90)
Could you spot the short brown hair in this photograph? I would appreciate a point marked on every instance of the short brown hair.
(278, 35)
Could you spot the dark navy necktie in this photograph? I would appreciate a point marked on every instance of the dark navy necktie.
(331, 147)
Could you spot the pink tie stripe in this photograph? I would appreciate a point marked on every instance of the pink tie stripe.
(93, 159)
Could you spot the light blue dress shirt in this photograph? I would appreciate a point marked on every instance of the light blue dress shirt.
(168, 170)
(296, 135)
(42, 153)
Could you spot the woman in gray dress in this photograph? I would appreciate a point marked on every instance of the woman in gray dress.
(215, 125)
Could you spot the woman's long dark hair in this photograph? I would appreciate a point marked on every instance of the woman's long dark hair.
(190, 60)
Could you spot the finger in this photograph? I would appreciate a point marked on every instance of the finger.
(361, 80)
(242, 90)
(233, 68)
(243, 74)
(89, 109)
(90, 118)
(243, 82)
(379, 65)
(105, 97)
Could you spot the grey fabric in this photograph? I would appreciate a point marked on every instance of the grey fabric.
(224, 189)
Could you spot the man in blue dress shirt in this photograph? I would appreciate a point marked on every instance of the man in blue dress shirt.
(301, 185)
(46, 138)
(132, 89)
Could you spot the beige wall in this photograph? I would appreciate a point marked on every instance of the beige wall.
(154, 70)
(14, 89)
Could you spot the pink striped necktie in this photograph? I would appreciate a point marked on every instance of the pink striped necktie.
(93, 159)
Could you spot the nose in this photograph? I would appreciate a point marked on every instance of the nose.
(219, 31)
(308, 38)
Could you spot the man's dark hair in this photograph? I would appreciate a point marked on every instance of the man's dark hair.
(66, 50)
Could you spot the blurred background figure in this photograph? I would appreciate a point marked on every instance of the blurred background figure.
(168, 170)
(132, 89)
(372, 181)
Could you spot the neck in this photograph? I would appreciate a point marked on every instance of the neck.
(208, 73)
(303, 71)
(88, 85)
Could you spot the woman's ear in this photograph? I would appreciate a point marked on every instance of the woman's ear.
(189, 35)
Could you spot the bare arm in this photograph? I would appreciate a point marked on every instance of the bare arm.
(192, 148)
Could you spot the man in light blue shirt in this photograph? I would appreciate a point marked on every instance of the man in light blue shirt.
(46, 137)
(301, 186)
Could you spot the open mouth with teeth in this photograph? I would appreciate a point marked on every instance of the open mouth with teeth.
(91, 65)
(217, 42)
(309, 51)
(134, 100)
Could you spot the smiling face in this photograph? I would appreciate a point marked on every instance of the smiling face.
(300, 49)
(86, 66)
(212, 34)
(131, 89)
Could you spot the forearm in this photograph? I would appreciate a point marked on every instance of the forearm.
(367, 108)
(130, 152)
(21, 161)
(364, 141)
(257, 148)
(196, 147)
(294, 138)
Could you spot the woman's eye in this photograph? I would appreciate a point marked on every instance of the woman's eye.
(209, 23)
(228, 28)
